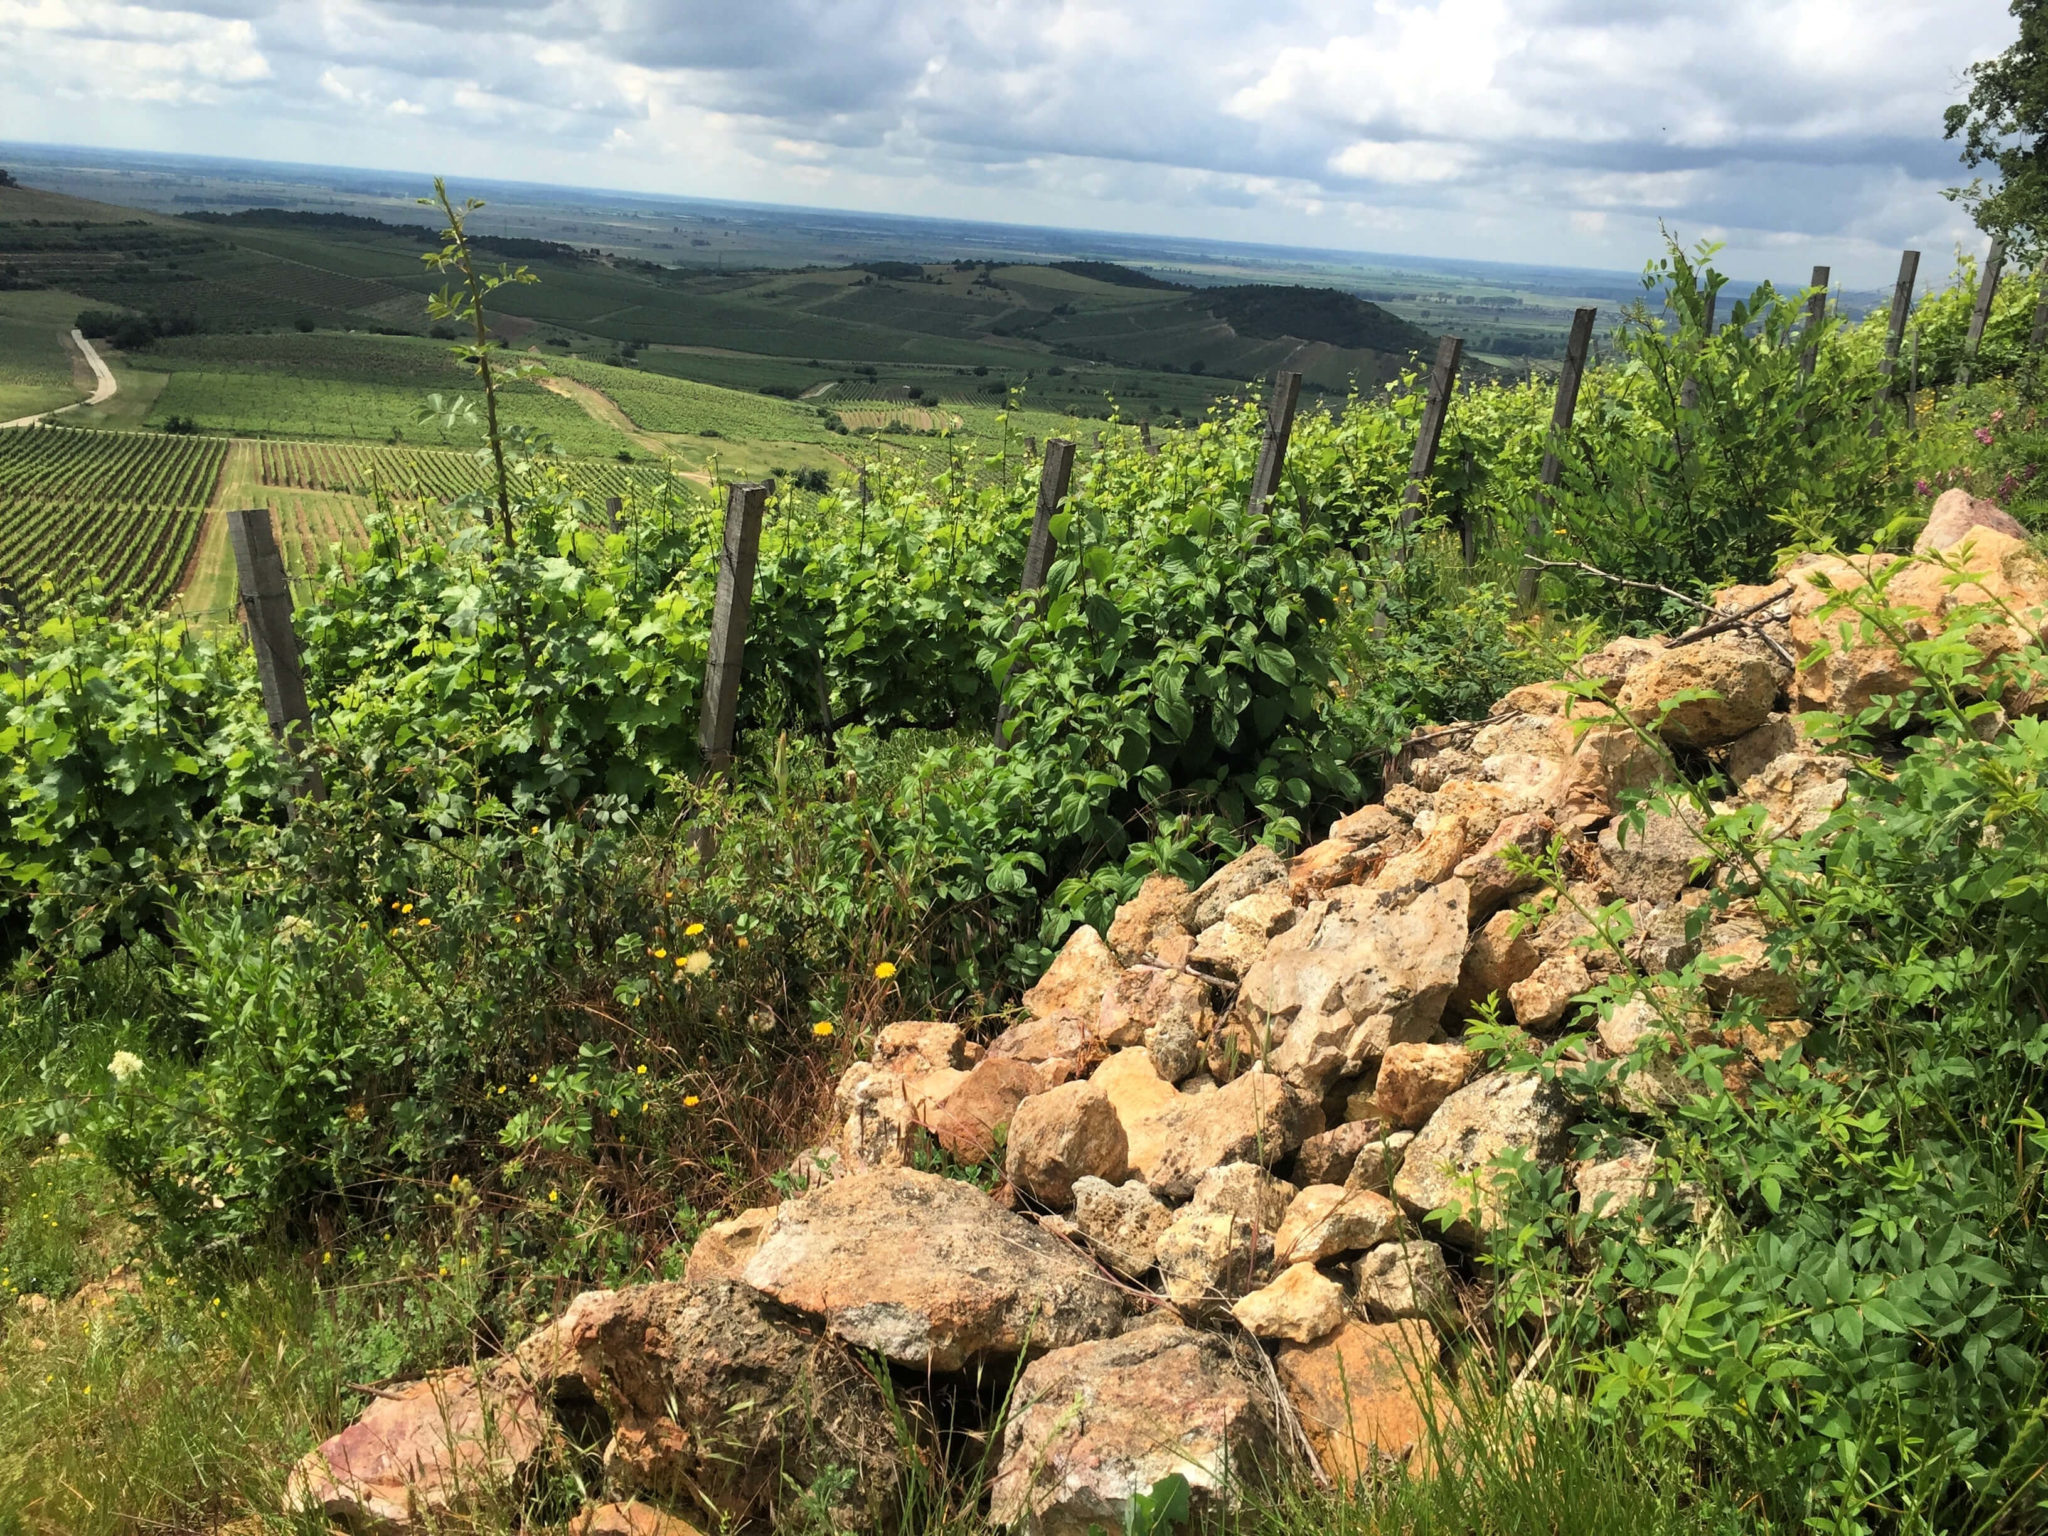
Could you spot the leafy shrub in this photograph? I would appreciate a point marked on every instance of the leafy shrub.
(1701, 456)
(135, 751)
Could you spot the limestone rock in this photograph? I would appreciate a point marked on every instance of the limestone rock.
(1378, 1161)
(1066, 1133)
(1414, 1079)
(967, 1111)
(1799, 791)
(1228, 950)
(1336, 861)
(1397, 1280)
(1377, 969)
(1499, 954)
(423, 1452)
(1367, 825)
(1750, 753)
(1743, 678)
(1544, 997)
(1450, 1160)
(1077, 980)
(1330, 1157)
(1145, 1105)
(1491, 880)
(876, 1121)
(1299, 1306)
(722, 1249)
(1619, 660)
(1246, 1191)
(1655, 861)
(1257, 866)
(1327, 1221)
(1061, 1046)
(1957, 515)
(1367, 1397)
(711, 1396)
(1663, 940)
(1176, 1048)
(1208, 1258)
(630, 1519)
(1151, 920)
(977, 1282)
(1095, 1425)
(1121, 1223)
(1144, 996)
(1740, 944)
(1609, 1186)
(1254, 1118)
(1604, 766)
(914, 1047)
(1653, 1081)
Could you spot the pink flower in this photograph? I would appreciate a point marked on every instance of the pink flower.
(1984, 436)
(1923, 488)
(1997, 416)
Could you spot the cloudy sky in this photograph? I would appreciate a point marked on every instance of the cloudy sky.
(1541, 130)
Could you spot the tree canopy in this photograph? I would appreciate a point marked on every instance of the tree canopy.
(2003, 124)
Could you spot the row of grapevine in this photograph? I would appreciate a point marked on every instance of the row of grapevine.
(414, 474)
(120, 509)
(108, 468)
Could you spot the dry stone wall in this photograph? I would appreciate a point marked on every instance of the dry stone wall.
(1240, 1151)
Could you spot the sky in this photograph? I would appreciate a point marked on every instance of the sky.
(1552, 131)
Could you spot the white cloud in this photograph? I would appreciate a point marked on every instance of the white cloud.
(1535, 129)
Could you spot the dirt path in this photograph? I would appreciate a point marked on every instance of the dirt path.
(103, 385)
(601, 407)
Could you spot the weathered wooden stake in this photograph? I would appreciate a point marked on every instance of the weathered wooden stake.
(719, 714)
(1443, 378)
(267, 610)
(1273, 446)
(1576, 348)
(1145, 438)
(1994, 264)
(1816, 313)
(611, 511)
(1895, 331)
(1053, 480)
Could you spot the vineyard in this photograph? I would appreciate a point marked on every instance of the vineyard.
(120, 509)
(417, 474)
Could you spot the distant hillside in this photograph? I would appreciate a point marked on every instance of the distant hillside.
(1110, 272)
(1270, 313)
(517, 246)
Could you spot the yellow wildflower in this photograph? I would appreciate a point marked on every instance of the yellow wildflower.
(693, 930)
(822, 1028)
(884, 971)
(690, 1101)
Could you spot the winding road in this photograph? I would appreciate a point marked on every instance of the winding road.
(103, 385)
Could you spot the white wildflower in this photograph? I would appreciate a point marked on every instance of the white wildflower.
(124, 1065)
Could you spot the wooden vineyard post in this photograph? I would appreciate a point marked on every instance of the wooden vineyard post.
(1895, 331)
(1816, 312)
(1273, 446)
(1053, 480)
(1576, 348)
(1443, 379)
(1994, 264)
(1145, 439)
(611, 511)
(737, 557)
(267, 610)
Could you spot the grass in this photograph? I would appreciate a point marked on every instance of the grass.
(39, 368)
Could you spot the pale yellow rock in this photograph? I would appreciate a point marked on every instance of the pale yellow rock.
(1300, 1306)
